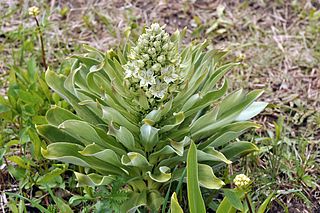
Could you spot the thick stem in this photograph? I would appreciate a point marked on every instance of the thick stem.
(43, 54)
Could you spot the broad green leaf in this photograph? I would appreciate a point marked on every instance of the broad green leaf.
(112, 115)
(207, 119)
(227, 133)
(196, 203)
(70, 153)
(106, 155)
(234, 198)
(162, 176)
(210, 154)
(239, 148)
(82, 131)
(231, 100)
(217, 75)
(179, 118)
(56, 82)
(124, 136)
(252, 110)
(93, 179)
(154, 200)
(162, 153)
(179, 146)
(135, 201)
(174, 206)
(36, 142)
(207, 99)
(207, 178)
(149, 136)
(135, 159)
(226, 207)
(57, 115)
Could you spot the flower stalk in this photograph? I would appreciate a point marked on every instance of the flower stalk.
(34, 12)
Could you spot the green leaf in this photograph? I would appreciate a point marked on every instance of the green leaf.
(135, 159)
(149, 137)
(154, 200)
(56, 82)
(106, 155)
(36, 142)
(226, 207)
(70, 153)
(135, 201)
(57, 115)
(196, 203)
(112, 115)
(161, 177)
(179, 118)
(82, 131)
(48, 177)
(93, 179)
(227, 133)
(207, 99)
(210, 154)
(252, 110)
(175, 207)
(264, 205)
(207, 178)
(239, 148)
(33, 203)
(124, 136)
(234, 198)
(65, 208)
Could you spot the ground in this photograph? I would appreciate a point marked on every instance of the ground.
(277, 43)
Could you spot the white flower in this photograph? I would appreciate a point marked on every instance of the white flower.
(146, 78)
(159, 90)
(153, 64)
(241, 180)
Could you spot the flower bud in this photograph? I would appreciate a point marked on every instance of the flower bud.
(145, 57)
(165, 47)
(34, 11)
(152, 51)
(157, 43)
(156, 67)
(161, 59)
(241, 180)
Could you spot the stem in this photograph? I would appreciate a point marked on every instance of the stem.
(42, 46)
(248, 201)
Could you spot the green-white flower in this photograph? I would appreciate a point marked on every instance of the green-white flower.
(154, 63)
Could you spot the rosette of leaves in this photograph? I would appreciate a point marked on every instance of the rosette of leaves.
(111, 137)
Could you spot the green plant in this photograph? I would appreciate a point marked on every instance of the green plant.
(23, 106)
(239, 199)
(139, 110)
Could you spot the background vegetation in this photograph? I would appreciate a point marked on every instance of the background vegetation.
(278, 43)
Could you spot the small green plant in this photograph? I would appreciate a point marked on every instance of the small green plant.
(149, 113)
(239, 199)
(24, 105)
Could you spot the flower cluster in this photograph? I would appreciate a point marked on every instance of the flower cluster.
(34, 11)
(153, 64)
(241, 180)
